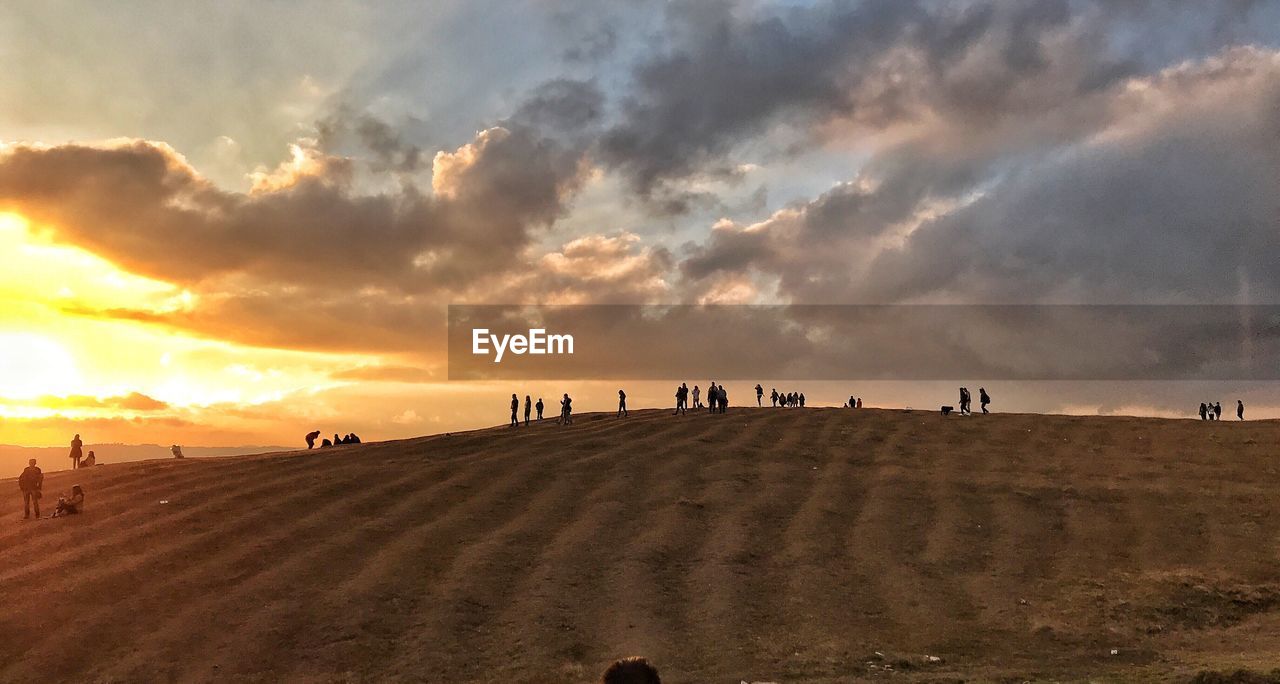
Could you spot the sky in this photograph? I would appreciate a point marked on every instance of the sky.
(232, 223)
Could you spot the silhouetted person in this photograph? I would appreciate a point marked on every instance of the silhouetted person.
(859, 402)
(759, 395)
(1239, 410)
(326, 443)
(89, 461)
(984, 399)
(528, 407)
(75, 454)
(70, 505)
(682, 399)
(1217, 411)
(515, 406)
(355, 439)
(801, 400)
(311, 438)
(31, 481)
(566, 410)
(539, 406)
(622, 404)
(964, 401)
(852, 403)
(722, 395)
(697, 401)
(773, 396)
(631, 671)
(177, 451)
(1204, 411)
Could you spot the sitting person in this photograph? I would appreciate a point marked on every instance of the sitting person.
(70, 506)
(326, 443)
(176, 451)
(89, 461)
(355, 439)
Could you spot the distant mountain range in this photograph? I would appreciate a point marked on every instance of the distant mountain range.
(14, 458)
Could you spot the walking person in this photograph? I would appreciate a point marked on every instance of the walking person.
(515, 406)
(1217, 411)
(759, 395)
(1239, 410)
(984, 399)
(539, 406)
(622, 404)
(773, 397)
(528, 406)
(964, 409)
(31, 481)
(76, 453)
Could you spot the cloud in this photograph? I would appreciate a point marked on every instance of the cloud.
(1165, 196)
(728, 74)
(134, 401)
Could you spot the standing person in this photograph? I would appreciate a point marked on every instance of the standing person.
(1204, 411)
(682, 399)
(852, 402)
(697, 402)
(31, 481)
(759, 395)
(723, 395)
(539, 406)
(515, 406)
(801, 400)
(773, 397)
(1239, 410)
(566, 410)
(984, 399)
(622, 404)
(528, 405)
(859, 402)
(1217, 411)
(76, 454)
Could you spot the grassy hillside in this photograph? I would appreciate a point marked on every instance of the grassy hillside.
(818, 545)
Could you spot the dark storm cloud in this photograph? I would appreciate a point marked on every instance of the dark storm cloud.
(730, 73)
(1169, 194)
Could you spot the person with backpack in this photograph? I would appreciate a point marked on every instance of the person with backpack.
(566, 410)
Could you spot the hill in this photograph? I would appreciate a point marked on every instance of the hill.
(812, 545)
(14, 458)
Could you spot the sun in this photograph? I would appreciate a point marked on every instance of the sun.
(33, 365)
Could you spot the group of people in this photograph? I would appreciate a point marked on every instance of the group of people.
(788, 400)
(78, 457)
(566, 408)
(854, 402)
(966, 400)
(31, 483)
(349, 438)
(1213, 411)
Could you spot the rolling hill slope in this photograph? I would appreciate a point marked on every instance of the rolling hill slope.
(814, 545)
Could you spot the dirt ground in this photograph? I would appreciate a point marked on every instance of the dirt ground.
(782, 545)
